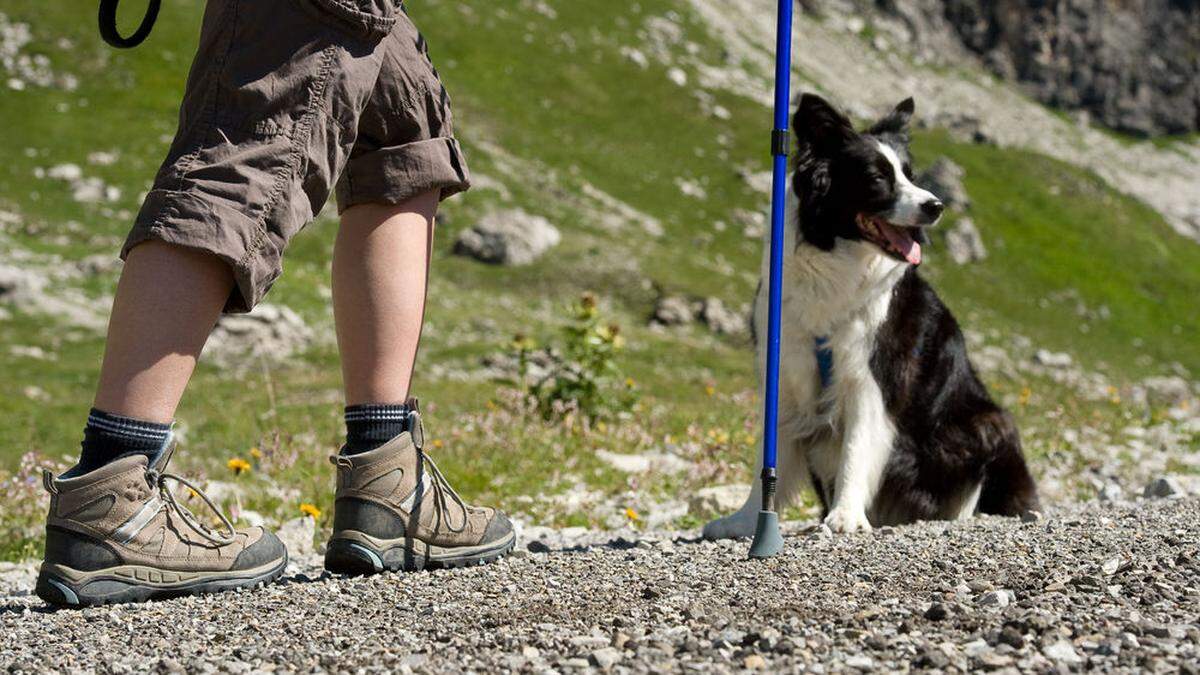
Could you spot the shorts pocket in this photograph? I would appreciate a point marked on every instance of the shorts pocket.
(273, 68)
(370, 18)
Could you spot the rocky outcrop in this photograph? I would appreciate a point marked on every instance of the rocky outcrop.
(1131, 65)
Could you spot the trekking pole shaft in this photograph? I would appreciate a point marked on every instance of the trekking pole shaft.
(779, 151)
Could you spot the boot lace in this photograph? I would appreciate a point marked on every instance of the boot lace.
(443, 494)
(158, 480)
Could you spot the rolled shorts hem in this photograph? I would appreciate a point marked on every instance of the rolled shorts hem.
(189, 220)
(396, 175)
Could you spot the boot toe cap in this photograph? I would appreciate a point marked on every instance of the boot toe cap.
(499, 528)
(267, 549)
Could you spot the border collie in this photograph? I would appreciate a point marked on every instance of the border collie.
(881, 413)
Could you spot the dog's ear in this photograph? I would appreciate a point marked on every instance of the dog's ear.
(896, 121)
(819, 125)
(811, 182)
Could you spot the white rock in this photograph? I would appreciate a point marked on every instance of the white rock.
(508, 237)
(661, 462)
(997, 598)
(1051, 359)
(674, 310)
(297, 535)
(964, 243)
(1062, 651)
(67, 172)
(271, 332)
(677, 76)
(718, 499)
(720, 319)
(606, 658)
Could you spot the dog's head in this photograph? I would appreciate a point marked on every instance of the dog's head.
(857, 186)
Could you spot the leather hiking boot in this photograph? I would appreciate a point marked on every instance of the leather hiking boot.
(394, 511)
(118, 534)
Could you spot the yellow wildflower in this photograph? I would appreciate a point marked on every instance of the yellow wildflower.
(629, 382)
(632, 514)
(256, 453)
(1026, 392)
(710, 390)
(437, 443)
(238, 465)
(310, 510)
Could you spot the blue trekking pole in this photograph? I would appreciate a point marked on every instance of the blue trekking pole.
(767, 539)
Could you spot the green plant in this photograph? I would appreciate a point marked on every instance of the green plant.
(580, 374)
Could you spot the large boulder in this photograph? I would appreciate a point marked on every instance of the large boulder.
(944, 178)
(964, 243)
(509, 237)
(270, 332)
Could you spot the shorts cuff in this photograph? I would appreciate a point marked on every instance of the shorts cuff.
(395, 175)
(185, 219)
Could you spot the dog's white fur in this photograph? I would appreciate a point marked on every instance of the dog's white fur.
(843, 434)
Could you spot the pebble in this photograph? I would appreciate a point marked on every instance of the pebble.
(846, 603)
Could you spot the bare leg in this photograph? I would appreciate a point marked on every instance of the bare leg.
(380, 272)
(167, 302)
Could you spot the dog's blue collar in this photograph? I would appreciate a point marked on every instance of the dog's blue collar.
(824, 354)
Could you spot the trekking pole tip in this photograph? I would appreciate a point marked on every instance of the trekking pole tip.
(767, 539)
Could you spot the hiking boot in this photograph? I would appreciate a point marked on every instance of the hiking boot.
(394, 511)
(118, 534)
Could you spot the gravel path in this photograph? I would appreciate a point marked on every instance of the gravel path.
(1089, 586)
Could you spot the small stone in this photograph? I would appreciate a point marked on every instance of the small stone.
(1031, 517)
(1110, 566)
(1163, 488)
(861, 662)
(755, 662)
(1012, 637)
(937, 612)
(605, 658)
(530, 652)
(999, 598)
(1062, 651)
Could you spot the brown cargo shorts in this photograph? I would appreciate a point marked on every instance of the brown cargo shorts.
(287, 99)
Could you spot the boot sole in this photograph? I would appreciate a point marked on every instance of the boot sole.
(62, 586)
(357, 554)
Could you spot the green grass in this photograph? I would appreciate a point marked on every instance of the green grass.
(570, 110)
(1052, 228)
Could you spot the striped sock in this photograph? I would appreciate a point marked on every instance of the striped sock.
(108, 437)
(370, 425)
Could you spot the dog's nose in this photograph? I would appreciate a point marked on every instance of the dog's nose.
(933, 208)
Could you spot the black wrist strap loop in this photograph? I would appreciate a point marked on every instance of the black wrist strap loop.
(108, 24)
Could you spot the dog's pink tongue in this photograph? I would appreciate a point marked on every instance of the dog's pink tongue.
(905, 244)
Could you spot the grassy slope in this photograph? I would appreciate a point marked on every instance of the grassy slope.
(555, 93)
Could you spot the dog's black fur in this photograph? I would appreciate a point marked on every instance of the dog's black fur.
(950, 435)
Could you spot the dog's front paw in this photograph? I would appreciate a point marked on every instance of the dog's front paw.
(848, 520)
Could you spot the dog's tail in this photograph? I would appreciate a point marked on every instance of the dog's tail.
(1008, 488)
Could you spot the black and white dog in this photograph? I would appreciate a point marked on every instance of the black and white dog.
(881, 413)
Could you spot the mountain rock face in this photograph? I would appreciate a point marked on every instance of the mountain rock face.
(1132, 65)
